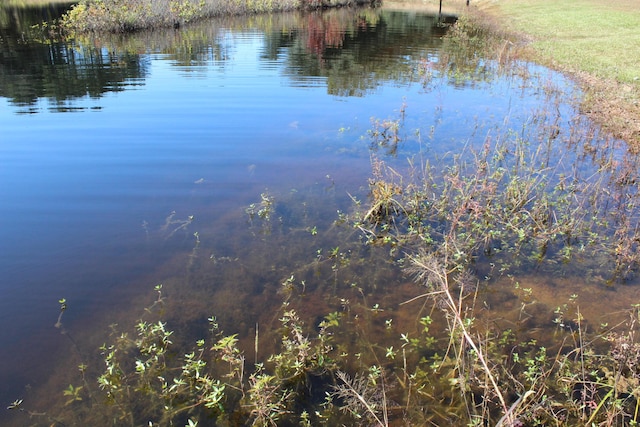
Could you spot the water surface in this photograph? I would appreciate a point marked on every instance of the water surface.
(126, 162)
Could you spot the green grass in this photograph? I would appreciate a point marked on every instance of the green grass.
(599, 37)
(595, 41)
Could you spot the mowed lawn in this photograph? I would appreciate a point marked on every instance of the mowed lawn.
(601, 37)
(598, 41)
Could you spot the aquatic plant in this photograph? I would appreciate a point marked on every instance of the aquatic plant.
(507, 202)
(455, 223)
(540, 195)
(451, 360)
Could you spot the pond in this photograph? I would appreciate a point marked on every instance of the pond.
(224, 161)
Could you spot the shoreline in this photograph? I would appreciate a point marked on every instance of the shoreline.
(610, 102)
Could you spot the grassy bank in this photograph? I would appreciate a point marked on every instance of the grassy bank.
(597, 41)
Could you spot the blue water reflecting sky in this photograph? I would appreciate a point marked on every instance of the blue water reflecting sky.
(80, 187)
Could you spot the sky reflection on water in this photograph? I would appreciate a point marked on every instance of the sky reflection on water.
(199, 122)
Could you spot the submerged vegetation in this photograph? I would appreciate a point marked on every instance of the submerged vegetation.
(518, 201)
(549, 197)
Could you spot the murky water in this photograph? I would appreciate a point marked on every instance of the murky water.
(126, 162)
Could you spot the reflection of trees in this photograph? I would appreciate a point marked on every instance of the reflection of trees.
(356, 49)
(191, 46)
(353, 49)
(19, 19)
(31, 69)
(61, 72)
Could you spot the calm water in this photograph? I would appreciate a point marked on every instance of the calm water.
(115, 151)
